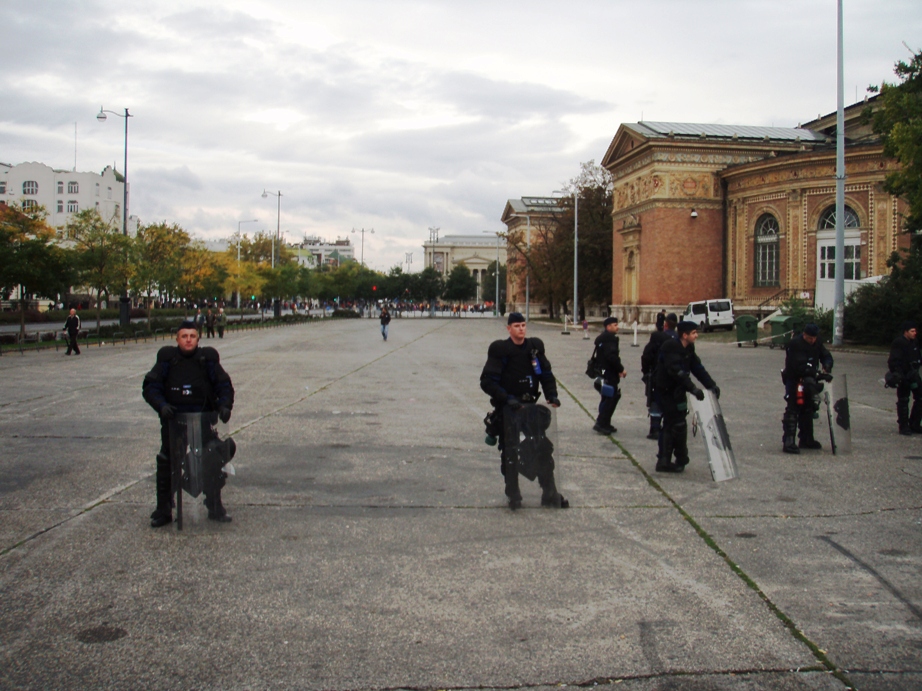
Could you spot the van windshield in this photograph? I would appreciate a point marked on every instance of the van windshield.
(720, 306)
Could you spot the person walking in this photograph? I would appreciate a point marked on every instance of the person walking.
(672, 379)
(385, 320)
(72, 327)
(903, 365)
(221, 322)
(610, 356)
(648, 360)
(514, 370)
(209, 323)
(186, 379)
(805, 357)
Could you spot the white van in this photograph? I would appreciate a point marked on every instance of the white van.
(710, 314)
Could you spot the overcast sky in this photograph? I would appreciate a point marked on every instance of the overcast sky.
(399, 115)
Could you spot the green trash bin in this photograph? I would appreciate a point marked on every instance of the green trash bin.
(747, 329)
(782, 327)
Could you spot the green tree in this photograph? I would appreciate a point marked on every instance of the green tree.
(29, 257)
(102, 255)
(897, 118)
(429, 286)
(489, 284)
(460, 285)
(158, 251)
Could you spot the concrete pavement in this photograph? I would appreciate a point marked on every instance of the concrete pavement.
(371, 547)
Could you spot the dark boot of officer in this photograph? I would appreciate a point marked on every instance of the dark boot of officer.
(789, 425)
(216, 510)
(511, 475)
(806, 430)
(915, 417)
(163, 514)
(902, 415)
(680, 444)
(549, 494)
(664, 462)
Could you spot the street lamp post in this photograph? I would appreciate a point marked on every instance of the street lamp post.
(496, 273)
(363, 231)
(277, 307)
(124, 304)
(239, 223)
(409, 260)
(527, 218)
(575, 256)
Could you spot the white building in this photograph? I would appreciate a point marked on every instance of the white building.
(314, 251)
(63, 192)
(476, 252)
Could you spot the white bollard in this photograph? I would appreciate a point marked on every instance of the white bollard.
(634, 344)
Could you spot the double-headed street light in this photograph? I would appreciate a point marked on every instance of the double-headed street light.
(363, 231)
(278, 221)
(496, 272)
(124, 315)
(575, 253)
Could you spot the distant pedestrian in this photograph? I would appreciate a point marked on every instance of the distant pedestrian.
(209, 323)
(221, 322)
(199, 321)
(385, 320)
(72, 327)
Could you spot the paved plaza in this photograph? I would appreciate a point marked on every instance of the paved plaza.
(371, 547)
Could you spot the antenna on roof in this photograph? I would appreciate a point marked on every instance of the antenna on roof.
(75, 147)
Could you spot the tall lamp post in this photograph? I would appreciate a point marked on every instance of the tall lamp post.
(409, 260)
(363, 231)
(575, 256)
(496, 273)
(277, 307)
(124, 314)
(240, 223)
(527, 218)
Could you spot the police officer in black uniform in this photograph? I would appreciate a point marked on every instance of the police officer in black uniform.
(672, 378)
(186, 379)
(806, 364)
(648, 360)
(610, 356)
(511, 376)
(904, 364)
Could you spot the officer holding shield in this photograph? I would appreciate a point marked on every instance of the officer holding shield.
(609, 353)
(904, 376)
(186, 379)
(672, 379)
(514, 370)
(806, 357)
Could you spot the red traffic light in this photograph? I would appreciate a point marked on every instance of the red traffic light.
(374, 287)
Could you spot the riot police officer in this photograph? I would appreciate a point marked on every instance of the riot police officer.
(186, 379)
(514, 370)
(648, 360)
(672, 379)
(805, 358)
(904, 376)
(607, 346)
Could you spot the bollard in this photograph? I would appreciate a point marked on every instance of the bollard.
(634, 344)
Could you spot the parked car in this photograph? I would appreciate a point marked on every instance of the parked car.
(710, 314)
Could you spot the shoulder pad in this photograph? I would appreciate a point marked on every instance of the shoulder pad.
(537, 344)
(167, 353)
(210, 354)
(496, 349)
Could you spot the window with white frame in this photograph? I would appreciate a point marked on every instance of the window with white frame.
(851, 265)
(828, 219)
(60, 206)
(60, 187)
(73, 187)
(3, 187)
(767, 250)
(29, 204)
(72, 206)
(29, 187)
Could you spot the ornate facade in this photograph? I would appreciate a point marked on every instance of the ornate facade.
(476, 252)
(707, 211)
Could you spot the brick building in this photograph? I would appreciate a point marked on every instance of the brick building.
(707, 211)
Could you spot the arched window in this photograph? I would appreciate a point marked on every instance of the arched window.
(767, 251)
(828, 219)
(30, 187)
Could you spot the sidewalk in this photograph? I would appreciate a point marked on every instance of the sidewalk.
(371, 547)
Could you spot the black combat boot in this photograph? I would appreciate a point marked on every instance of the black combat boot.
(163, 514)
(549, 494)
(902, 415)
(511, 476)
(789, 425)
(664, 462)
(216, 510)
(806, 433)
(915, 417)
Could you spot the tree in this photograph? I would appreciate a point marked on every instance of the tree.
(102, 255)
(158, 250)
(429, 286)
(29, 258)
(897, 118)
(461, 285)
(594, 192)
(489, 284)
(200, 275)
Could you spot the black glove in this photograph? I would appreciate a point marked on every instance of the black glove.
(824, 376)
(513, 402)
(554, 401)
(224, 413)
(167, 412)
(698, 393)
(716, 390)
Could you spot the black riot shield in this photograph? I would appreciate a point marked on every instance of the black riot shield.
(198, 457)
(530, 438)
(838, 415)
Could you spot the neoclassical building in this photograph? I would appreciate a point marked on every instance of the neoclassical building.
(476, 252)
(529, 221)
(707, 211)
